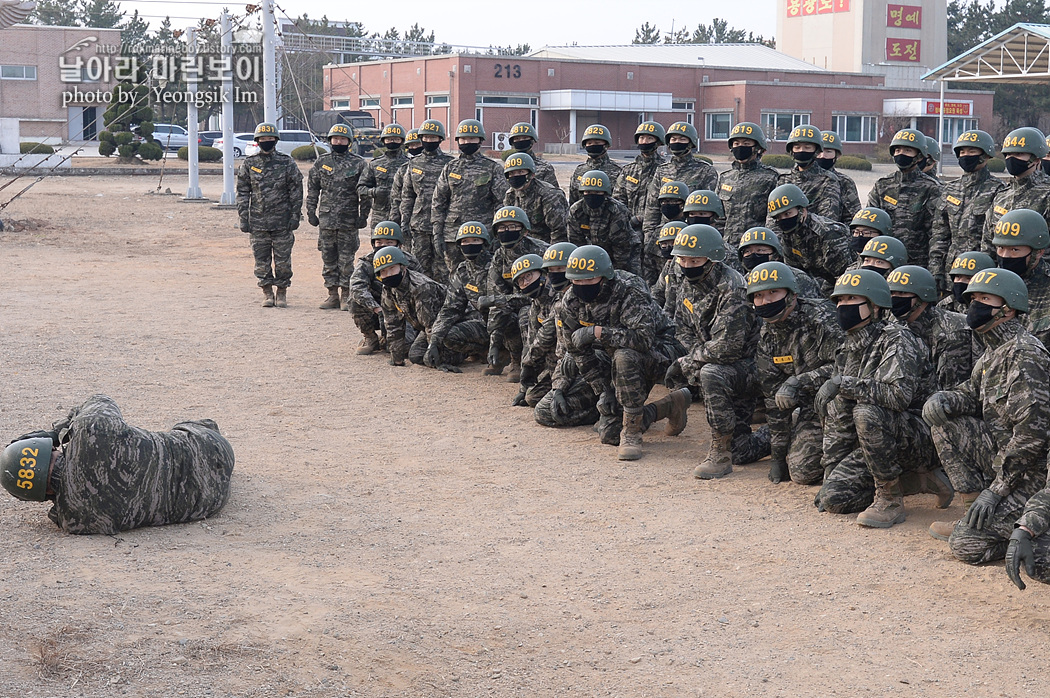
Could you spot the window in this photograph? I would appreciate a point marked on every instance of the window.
(682, 106)
(477, 114)
(18, 72)
(856, 129)
(340, 104)
(369, 102)
(437, 100)
(493, 100)
(778, 125)
(954, 127)
(532, 117)
(717, 126)
(402, 101)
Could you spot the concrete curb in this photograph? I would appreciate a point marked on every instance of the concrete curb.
(102, 171)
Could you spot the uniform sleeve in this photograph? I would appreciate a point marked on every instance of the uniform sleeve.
(1036, 516)
(394, 320)
(940, 239)
(365, 190)
(295, 193)
(313, 187)
(895, 380)
(836, 251)
(827, 339)
(729, 332)
(498, 185)
(850, 200)
(829, 200)
(573, 224)
(1026, 402)
(451, 311)
(875, 195)
(439, 208)
(933, 210)
(637, 327)
(556, 213)
(408, 199)
(360, 286)
(651, 220)
(543, 343)
(244, 191)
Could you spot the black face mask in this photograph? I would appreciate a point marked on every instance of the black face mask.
(857, 243)
(878, 270)
(595, 149)
(1017, 166)
(518, 181)
(979, 314)
(557, 279)
(902, 305)
(522, 145)
(1018, 265)
(826, 163)
(969, 163)
(803, 157)
(594, 200)
(267, 146)
(671, 211)
(694, 219)
(848, 316)
(694, 274)
(510, 238)
(665, 251)
(742, 152)
(587, 294)
(1045, 164)
(750, 261)
(431, 146)
(341, 148)
(394, 280)
(903, 161)
(469, 148)
(393, 147)
(771, 310)
(678, 148)
(472, 250)
(790, 224)
(647, 147)
(414, 150)
(958, 289)
(533, 289)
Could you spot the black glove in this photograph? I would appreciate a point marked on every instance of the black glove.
(295, 223)
(674, 377)
(607, 403)
(826, 394)
(519, 399)
(494, 350)
(583, 337)
(245, 227)
(636, 223)
(935, 411)
(529, 375)
(1019, 550)
(314, 220)
(432, 356)
(982, 509)
(778, 472)
(486, 302)
(449, 368)
(559, 405)
(787, 396)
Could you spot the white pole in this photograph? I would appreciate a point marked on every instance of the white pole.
(193, 191)
(269, 64)
(940, 128)
(228, 196)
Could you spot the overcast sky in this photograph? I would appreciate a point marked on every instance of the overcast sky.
(475, 23)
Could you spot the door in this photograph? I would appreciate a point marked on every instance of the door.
(90, 123)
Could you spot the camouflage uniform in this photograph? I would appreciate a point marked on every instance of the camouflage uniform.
(417, 195)
(1031, 192)
(632, 186)
(1037, 319)
(416, 303)
(996, 435)
(460, 326)
(109, 476)
(959, 224)
(544, 170)
(366, 293)
(666, 285)
(686, 168)
(269, 203)
(397, 188)
(873, 430)
(823, 190)
(744, 190)
(950, 342)
(819, 247)
(803, 345)
(470, 188)
(1036, 518)
(850, 196)
(376, 186)
(544, 205)
(602, 162)
(609, 227)
(540, 345)
(911, 199)
(332, 191)
(506, 318)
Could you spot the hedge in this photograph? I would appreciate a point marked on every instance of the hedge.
(996, 165)
(204, 154)
(38, 148)
(784, 162)
(853, 162)
(307, 152)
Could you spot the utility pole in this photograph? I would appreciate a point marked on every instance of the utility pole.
(269, 63)
(229, 198)
(193, 191)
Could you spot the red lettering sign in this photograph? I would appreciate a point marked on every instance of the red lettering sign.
(825, 7)
(906, 50)
(809, 7)
(800, 8)
(950, 108)
(904, 16)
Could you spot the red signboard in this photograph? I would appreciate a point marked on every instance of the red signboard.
(904, 16)
(809, 7)
(906, 50)
(950, 108)
(804, 8)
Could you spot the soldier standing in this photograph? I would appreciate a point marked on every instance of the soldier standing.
(378, 178)
(413, 147)
(596, 141)
(523, 137)
(269, 203)
(545, 204)
(632, 185)
(599, 219)
(1021, 239)
(417, 195)
(823, 190)
(683, 167)
(1028, 186)
(831, 150)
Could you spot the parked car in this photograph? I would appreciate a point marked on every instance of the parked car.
(290, 140)
(241, 141)
(171, 136)
(206, 138)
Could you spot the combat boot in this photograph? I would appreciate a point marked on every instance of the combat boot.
(933, 482)
(514, 374)
(719, 462)
(268, 299)
(344, 298)
(282, 297)
(778, 467)
(631, 436)
(368, 345)
(942, 530)
(497, 368)
(888, 507)
(674, 407)
(332, 302)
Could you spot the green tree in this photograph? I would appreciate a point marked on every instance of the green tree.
(56, 13)
(101, 14)
(128, 116)
(718, 32)
(646, 34)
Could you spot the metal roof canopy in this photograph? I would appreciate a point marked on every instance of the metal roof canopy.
(1020, 54)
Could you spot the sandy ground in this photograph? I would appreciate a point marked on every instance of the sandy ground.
(402, 532)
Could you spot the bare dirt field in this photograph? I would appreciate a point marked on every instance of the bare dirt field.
(403, 532)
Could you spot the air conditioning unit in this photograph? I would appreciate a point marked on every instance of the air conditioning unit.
(500, 140)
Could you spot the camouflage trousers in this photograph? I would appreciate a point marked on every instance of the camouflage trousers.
(421, 342)
(337, 248)
(634, 374)
(508, 326)
(422, 246)
(886, 443)
(535, 393)
(275, 247)
(366, 319)
(966, 448)
(797, 437)
(578, 395)
(730, 393)
(468, 337)
(1041, 558)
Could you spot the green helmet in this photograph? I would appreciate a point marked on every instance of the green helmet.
(519, 161)
(933, 148)
(748, 129)
(340, 130)
(412, 136)
(24, 468)
(470, 128)
(888, 248)
(597, 132)
(684, 128)
(829, 140)
(669, 231)
(704, 201)
(650, 128)
(873, 217)
(432, 127)
(969, 263)
(913, 279)
(525, 263)
(523, 128)
(388, 230)
(392, 131)
(589, 262)
(1025, 140)
(864, 282)
(473, 229)
(761, 236)
(769, 276)
(699, 240)
(1000, 282)
(387, 257)
(511, 214)
(975, 139)
(674, 190)
(805, 133)
(785, 197)
(910, 137)
(557, 255)
(595, 180)
(1022, 226)
(266, 129)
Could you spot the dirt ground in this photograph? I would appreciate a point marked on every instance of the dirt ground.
(403, 532)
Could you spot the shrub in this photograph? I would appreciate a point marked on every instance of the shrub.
(784, 162)
(307, 152)
(106, 137)
(149, 151)
(127, 150)
(997, 165)
(853, 162)
(204, 154)
(123, 138)
(38, 148)
(107, 148)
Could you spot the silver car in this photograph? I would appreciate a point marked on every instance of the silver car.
(171, 136)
